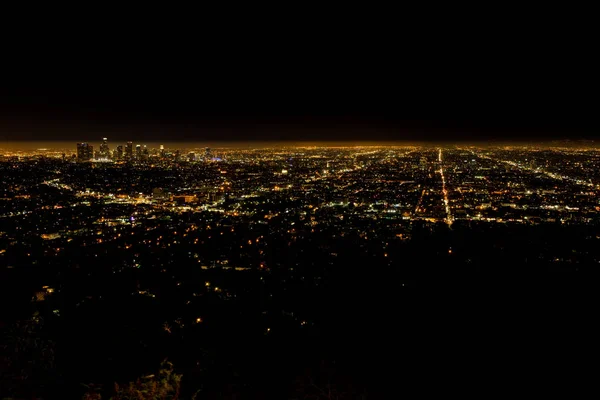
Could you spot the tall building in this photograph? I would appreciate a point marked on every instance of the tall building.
(138, 152)
(162, 150)
(207, 154)
(85, 152)
(104, 151)
(119, 152)
(192, 156)
(129, 151)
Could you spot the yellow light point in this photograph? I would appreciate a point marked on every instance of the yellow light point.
(207, 284)
(198, 320)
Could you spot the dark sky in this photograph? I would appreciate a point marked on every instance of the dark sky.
(356, 84)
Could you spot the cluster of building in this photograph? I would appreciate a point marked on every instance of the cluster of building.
(522, 185)
(139, 153)
(379, 195)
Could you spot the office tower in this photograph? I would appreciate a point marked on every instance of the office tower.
(192, 156)
(85, 152)
(145, 153)
(119, 152)
(177, 155)
(162, 150)
(207, 154)
(129, 151)
(104, 151)
(138, 152)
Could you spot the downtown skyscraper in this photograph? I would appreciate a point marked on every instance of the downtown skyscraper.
(104, 150)
(85, 152)
(129, 151)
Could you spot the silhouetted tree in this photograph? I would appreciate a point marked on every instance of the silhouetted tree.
(27, 365)
(165, 385)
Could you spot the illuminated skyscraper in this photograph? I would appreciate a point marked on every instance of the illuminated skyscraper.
(119, 152)
(104, 151)
(85, 152)
(138, 152)
(207, 154)
(129, 151)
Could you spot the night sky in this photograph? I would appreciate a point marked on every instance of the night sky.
(541, 84)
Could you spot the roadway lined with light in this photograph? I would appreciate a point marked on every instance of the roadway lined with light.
(444, 191)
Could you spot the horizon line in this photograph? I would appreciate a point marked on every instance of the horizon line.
(172, 140)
